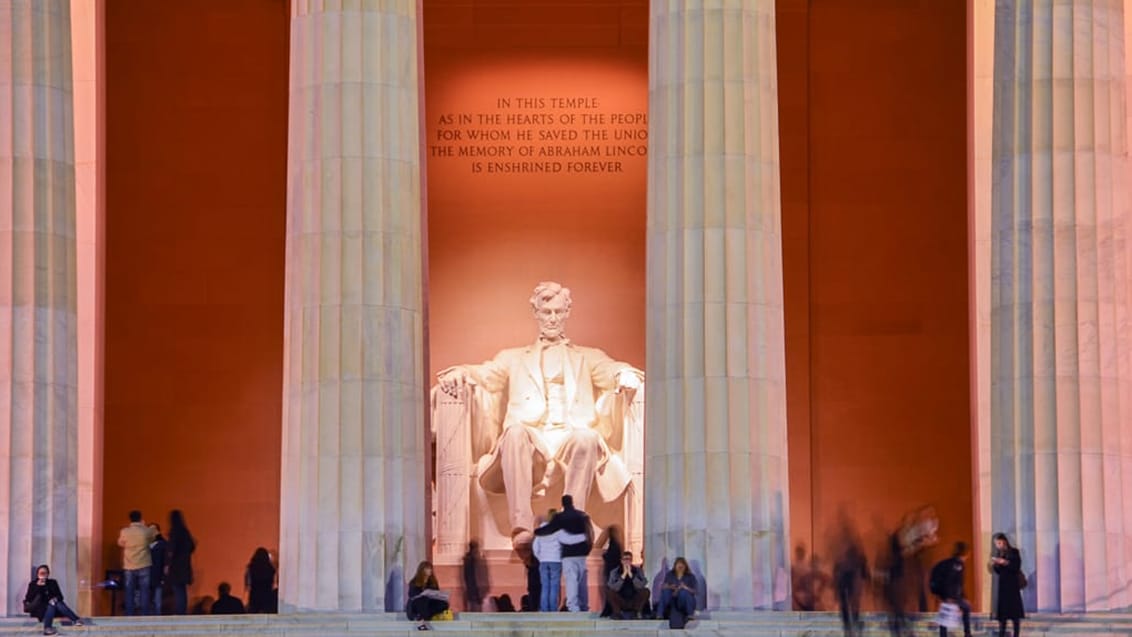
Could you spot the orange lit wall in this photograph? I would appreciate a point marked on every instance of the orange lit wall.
(492, 237)
(872, 126)
(873, 121)
(196, 183)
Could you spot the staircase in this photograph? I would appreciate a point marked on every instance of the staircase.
(752, 624)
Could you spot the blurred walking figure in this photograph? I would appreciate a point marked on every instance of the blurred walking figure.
(610, 538)
(476, 583)
(808, 582)
(894, 586)
(850, 572)
(920, 533)
(1006, 564)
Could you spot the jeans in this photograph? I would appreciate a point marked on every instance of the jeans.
(137, 591)
(550, 576)
(58, 608)
(157, 599)
(682, 601)
(577, 597)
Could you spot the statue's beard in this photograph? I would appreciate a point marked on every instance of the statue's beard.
(553, 334)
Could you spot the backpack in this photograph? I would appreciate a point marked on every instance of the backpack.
(938, 580)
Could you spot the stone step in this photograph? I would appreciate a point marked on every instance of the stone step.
(754, 624)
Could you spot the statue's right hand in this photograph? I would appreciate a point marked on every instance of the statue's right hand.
(453, 381)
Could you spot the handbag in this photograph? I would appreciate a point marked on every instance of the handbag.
(35, 605)
(949, 616)
(443, 616)
(1022, 581)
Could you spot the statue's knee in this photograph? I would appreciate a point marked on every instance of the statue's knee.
(515, 435)
(585, 439)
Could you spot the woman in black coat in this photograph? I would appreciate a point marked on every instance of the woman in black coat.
(181, 547)
(1006, 562)
(44, 601)
(259, 581)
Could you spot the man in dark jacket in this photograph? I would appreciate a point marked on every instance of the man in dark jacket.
(574, 522)
(628, 588)
(947, 584)
(226, 603)
(158, 551)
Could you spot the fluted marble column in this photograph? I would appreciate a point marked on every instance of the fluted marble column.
(1061, 446)
(353, 518)
(38, 366)
(715, 458)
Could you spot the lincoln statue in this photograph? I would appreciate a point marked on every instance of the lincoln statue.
(552, 429)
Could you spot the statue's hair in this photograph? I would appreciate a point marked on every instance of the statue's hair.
(548, 290)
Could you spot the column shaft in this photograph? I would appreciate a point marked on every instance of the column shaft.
(716, 475)
(1061, 450)
(38, 365)
(353, 490)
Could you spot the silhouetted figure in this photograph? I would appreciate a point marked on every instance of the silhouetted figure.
(476, 582)
(610, 538)
(530, 601)
(808, 582)
(181, 547)
(425, 599)
(159, 556)
(894, 587)
(226, 603)
(503, 603)
(259, 581)
(850, 572)
(1006, 564)
(44, 601)
(947, 584)
(203, 605)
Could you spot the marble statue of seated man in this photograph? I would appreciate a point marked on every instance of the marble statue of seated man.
(549, 429)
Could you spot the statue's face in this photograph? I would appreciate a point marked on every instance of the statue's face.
(551, 317)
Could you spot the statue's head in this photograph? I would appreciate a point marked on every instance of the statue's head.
(551, 305)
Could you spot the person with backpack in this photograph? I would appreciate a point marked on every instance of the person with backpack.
(947, 584)
(1006, 564)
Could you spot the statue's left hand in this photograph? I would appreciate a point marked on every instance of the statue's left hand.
(631, 379)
